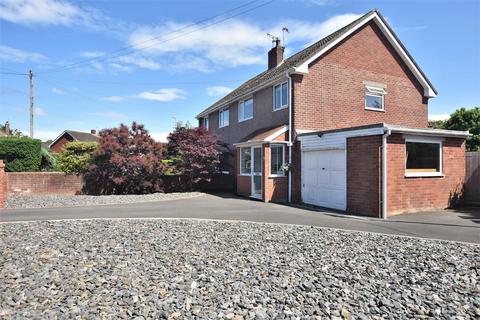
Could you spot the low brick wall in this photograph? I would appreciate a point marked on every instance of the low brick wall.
(3, 184)
(42, 183)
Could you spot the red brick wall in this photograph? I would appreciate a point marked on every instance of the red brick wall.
(244, 183)
(296, 173)
(3, 184)
(415, 194)
(57, 147)
(364, 167)
(331, 95)
(43, 183)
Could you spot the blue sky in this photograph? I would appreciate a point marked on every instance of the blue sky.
(84, 80)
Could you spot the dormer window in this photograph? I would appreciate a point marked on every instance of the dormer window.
(375, 97)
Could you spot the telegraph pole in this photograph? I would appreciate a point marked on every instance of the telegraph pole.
(32, 110)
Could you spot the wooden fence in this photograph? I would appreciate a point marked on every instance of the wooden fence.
(472, 186)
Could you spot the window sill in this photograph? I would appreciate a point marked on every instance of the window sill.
(277, 176)
(245, 175)
(423, 174)
(373, 109)
(281, 108)
(243, 120)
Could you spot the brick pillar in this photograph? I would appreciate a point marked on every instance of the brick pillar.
(3, 184)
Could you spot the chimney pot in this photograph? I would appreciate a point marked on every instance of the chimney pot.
(275, 55)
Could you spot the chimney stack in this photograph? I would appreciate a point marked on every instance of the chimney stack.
(275, 55)
(7, 128)
(93, 131)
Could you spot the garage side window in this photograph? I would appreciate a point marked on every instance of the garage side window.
(277, 156)
(374, 98)
(423, 158)
(245, 160)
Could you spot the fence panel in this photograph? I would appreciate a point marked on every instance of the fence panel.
(472, 186)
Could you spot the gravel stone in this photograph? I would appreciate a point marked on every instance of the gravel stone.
(184, 269)
(55, 201)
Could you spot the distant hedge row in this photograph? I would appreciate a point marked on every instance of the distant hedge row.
(20, 154)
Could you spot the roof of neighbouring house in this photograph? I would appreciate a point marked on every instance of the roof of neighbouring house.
(77, 136)
(305, 55)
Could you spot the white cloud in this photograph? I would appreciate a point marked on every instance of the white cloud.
(160, 136)
(16, 55)
(40, 112)
(92, 54)
(435, 117)
(113, 98)
(58, 90)
(163, 95)
(230, 44)
(120, 67)
(218, 91)
(110, 115)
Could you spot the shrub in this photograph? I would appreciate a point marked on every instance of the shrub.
(76, 156)
(21, 154)
(49, 161)
(194, 154)
(127, 161)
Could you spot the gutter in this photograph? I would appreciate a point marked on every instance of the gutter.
(387, 133)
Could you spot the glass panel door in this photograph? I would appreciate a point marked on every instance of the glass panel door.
(257, 172)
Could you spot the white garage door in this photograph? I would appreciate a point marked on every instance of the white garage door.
(324, 178)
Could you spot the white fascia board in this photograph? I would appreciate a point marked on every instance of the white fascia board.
(428, 90)
(430, 132)
(346, 133)
(276, 133)
(56, 139)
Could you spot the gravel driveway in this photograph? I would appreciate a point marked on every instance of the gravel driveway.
(234, 270)
(56, 201)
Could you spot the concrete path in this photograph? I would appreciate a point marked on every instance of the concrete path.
(447, 225)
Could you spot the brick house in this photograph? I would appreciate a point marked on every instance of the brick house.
(341, 124)
(69, 136)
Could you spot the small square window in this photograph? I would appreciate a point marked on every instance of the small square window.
(245, 110)
(423, 158)
(374, 98)
(280, 96)
(223, 118)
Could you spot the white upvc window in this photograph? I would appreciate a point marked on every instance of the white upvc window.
(423, 157)
(205, 122)
(280, 96)
(375, 98)
(245, 161)
(223, 118)
(245, 110)
(277, 159)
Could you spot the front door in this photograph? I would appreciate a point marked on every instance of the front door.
(257, 172)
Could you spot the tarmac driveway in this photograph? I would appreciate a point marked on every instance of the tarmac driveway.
(461, 225)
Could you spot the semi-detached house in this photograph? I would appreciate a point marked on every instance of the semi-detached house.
(341, 124)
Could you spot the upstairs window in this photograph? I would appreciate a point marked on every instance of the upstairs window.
(205, 122)
(277, 156)
(245, 110)
(423, 158)
(374, 98)
(280, 96)
(223, 118)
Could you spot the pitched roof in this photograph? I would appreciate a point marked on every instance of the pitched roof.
(301, 57)
(82, 136)
(265, 133)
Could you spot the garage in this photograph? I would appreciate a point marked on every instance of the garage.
(324, 178)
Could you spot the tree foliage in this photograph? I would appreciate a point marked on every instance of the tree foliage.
(463, 119)
(21, 154)
(194, 154)
(49, 161)
(76, 156)
(127, 161)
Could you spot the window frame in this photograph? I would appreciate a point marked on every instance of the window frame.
(282, 174)
(220, 113)
(374, 91)
(241, 109)
(438, 173)
(282, 106)
(206, 122)
(241, 161)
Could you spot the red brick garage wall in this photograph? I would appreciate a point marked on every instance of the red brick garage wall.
(43, 183)
(364, 167)
(416, 194)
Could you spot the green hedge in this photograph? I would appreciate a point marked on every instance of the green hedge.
(76, 156)
(21, 154)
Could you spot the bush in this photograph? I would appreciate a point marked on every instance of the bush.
(76, 156)
(127, 161)
(49, 161)
(21, 154)
(194, 155)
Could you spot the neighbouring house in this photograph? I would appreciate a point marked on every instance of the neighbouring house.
(341, 124)
(69, 135)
